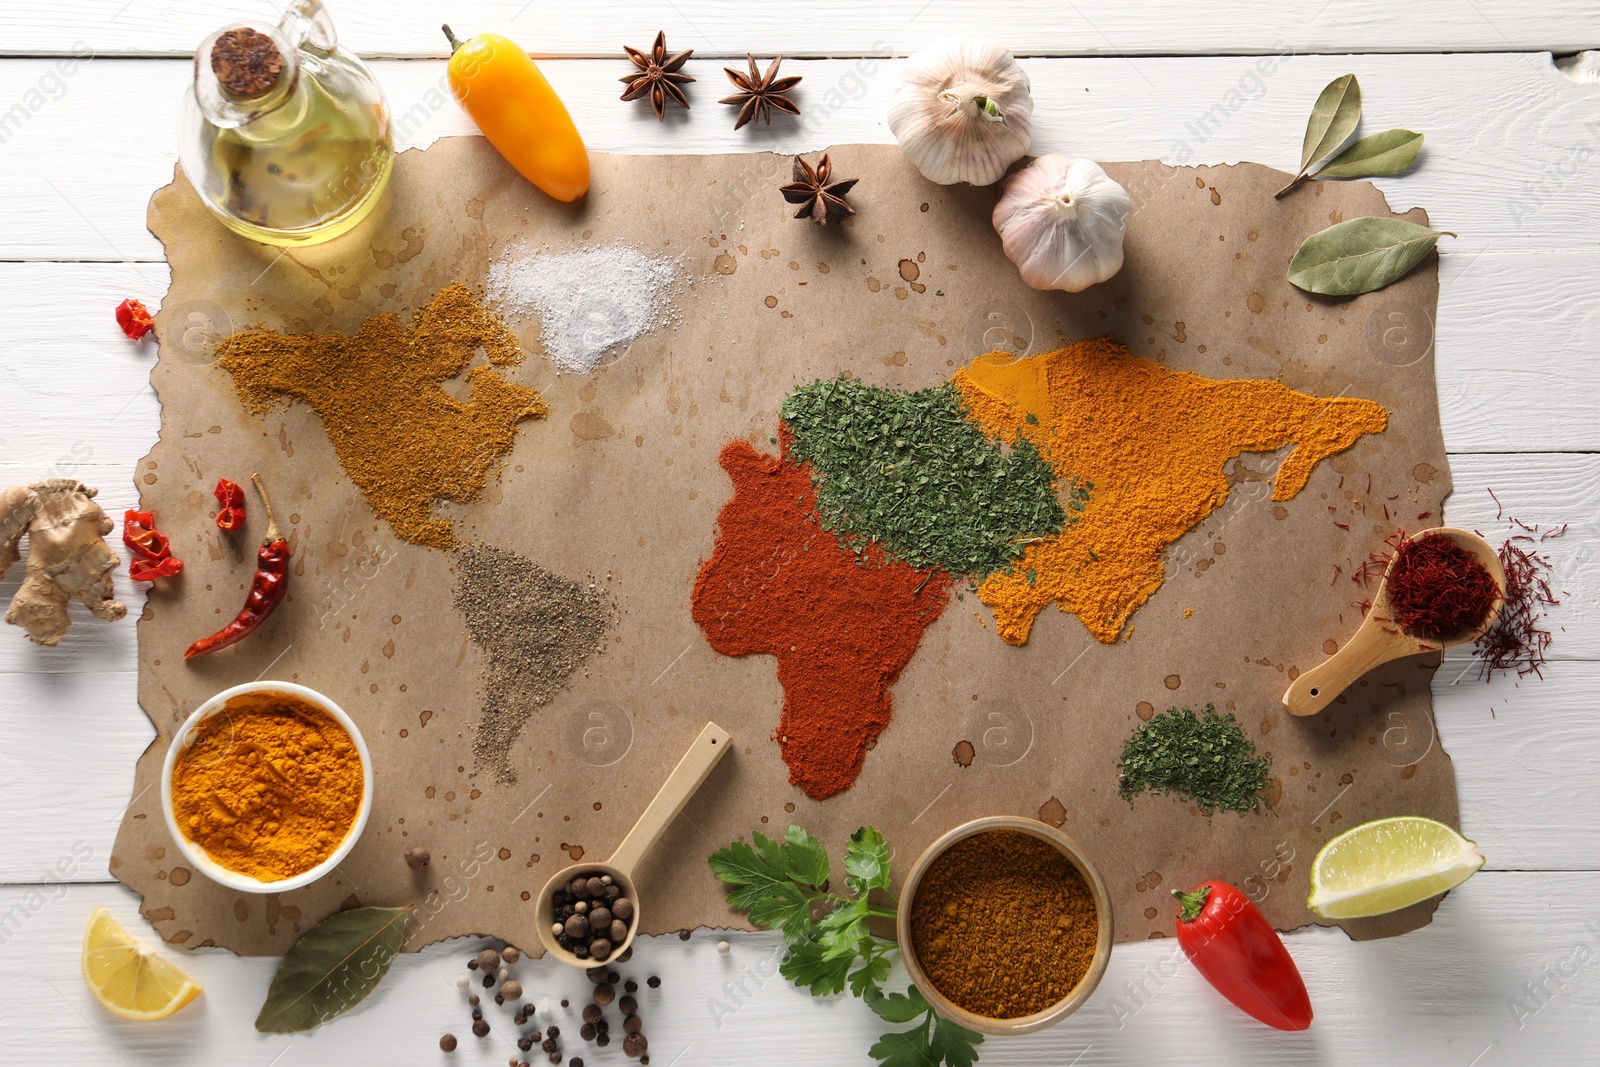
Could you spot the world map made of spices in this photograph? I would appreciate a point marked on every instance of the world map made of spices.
(1137, 452)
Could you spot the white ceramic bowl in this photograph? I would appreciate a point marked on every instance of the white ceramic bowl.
(198, 856)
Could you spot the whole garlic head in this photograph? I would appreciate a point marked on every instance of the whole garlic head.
(963, 111)
(1061, 222)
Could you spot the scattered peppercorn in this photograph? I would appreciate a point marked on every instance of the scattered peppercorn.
(480, 1029)
(499, 998)
(525, 1043)
(632, 1024)
(634, 1046)
(604, 993)
(629, 1005)
(520, 1019)
(577, 1061)
(587, 1031)
(654, 982)
(555, 1031)
(555, 1057)
(723, 948)
(417, 858)
(631, 986)
(473, 1000)
(592, 1013)
(683, 935)
(602, 1027)
(528, 1010)
(488, 959)
(602, 1040)
(549, 1044)
(447, 1043)
(488, 980)
(510, 954)
(512, 990)
(563, 1002)
(472, 965)
(477, 1013)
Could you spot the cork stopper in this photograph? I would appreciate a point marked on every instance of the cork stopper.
(246, 62)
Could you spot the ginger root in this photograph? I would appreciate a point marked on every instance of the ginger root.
(67, 556)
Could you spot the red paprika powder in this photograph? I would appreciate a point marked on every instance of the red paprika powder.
(778, 584)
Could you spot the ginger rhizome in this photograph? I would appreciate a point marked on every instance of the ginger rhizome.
(68, 557)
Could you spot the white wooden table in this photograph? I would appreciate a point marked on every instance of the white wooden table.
(1509, 971)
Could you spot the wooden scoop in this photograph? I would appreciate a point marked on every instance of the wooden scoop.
(680, 785)
(1380, 639)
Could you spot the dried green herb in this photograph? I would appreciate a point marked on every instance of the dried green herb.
(1206, 759)
(1389, 152)
(1360, 255)
(1334, 118)
(332, 968)
(914, 473)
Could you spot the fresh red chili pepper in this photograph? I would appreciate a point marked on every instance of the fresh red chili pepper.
(266, 590)
(231, 497)
(148, 570)
(134, 318)
(1234, 947)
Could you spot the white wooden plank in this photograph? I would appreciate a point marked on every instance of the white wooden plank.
(1505, 179)
(1455, 990)
(837, 27)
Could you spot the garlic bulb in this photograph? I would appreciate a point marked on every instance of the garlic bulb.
(1061, 222)
(963, 112)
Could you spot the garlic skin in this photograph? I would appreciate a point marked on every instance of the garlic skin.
(1061, 221)
(963, 111)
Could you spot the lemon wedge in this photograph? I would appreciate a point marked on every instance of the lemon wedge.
(1389, 864)
(127, 977)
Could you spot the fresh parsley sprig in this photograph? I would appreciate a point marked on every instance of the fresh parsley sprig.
(785, 885)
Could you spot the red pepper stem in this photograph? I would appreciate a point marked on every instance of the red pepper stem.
(1190, 905)
(451, 37)
(272, 521)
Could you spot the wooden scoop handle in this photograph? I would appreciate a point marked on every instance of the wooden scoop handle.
(1371, 646)
(686, 777)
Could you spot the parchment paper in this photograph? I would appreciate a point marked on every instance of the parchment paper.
(621, 483)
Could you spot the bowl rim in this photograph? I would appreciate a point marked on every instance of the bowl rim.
(198, 856)
(1024, 1024)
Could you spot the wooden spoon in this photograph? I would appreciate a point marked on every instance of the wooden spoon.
(680, 785)
(1380, 640)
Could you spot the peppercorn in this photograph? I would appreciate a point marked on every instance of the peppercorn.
(613, 977)
(631, 986)
(555, 1057)
(587, 1031)
(599, 917)
(622, 908)
(502, 974)
(627, 953)
(528, 1010)
(512, 1062)
(577, 1061)
(603, 1026)
(579, 888)
(628, 1005)
(472, 999)
(499, 998)
(510, 954)
(612, 893)
(488, 959)
(520, 1019)
(595, 886)
(525, 1043)
(619, 931)
(563, 1002)
(417, 858)
(592, 1013)
(480, 1029)
(534, 1037)
(477, 1013)
(511, 990)
(604, 994)
(633, 1024)
(549, 1044)
(683, 935)
(654, 981)
(555, 1031)
(635, 1046)
(600, 947)
(723, 948)
(595, 974)
(577, 927)
(644, 1061)
(447, 1043)
(581, 907)
(602, 1040)
(472, 965)
(488, 980)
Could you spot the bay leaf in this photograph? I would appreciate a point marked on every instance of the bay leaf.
(1334, 118)
(1389, 152)
(1360, 255)
(332, 968)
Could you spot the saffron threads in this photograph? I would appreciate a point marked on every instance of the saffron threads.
(1517, 642)
(1437, 590)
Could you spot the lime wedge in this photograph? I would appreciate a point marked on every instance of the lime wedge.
(1389, 864)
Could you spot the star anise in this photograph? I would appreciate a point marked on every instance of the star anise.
(818, 199)
(657, 75)
(760, 93)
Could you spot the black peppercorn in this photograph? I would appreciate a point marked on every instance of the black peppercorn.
(447, 1043)
(595, 974)
(654, 982)
(628, 1005)
(477, 1013)
(488, 980)
(472, 965)
(630, 986)
(563, 1002)
(549, 1044)
(644, 1061)
(480, 1029)
(587, 1031)
(592, 1013)
(525, 1043)
(613, 977)
(520, 1019)
(602, 1040)
(528, 1010)
(683, 935)
(577, 1061)
(499, 998)
(627, 953)
(603, 1026)
(555, 1057)
(555, 1031)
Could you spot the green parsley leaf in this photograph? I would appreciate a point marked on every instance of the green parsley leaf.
(866, 861)
(909, 1049)
(899, 1007)
(952, 1043)
(807, 859)
(865, 980)
(808, 967)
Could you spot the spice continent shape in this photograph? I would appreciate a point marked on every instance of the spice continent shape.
(405, 442)
(842, 627)
(1153, 442)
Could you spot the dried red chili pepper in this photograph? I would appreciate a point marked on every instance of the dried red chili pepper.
(231, 497)
(148, 570)
(134, 318)
(266, 590)
(154, 558)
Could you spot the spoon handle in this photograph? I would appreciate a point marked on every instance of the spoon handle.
(1371, 646)
(675, 792)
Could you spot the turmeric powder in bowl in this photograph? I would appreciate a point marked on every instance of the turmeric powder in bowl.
(269, 783)
(1008, 928)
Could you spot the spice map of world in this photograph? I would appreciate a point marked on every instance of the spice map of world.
(1245, 445)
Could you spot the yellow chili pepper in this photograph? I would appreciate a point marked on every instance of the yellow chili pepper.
(507, 95)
